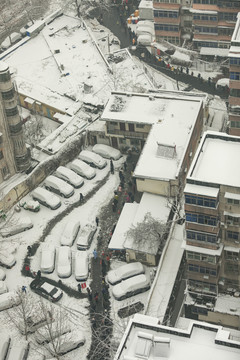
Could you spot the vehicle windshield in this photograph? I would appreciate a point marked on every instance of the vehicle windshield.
(53, 291)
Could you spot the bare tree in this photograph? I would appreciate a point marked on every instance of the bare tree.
(150, 231)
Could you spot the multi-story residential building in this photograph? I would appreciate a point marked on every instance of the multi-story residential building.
(212, 208)
(167, 21)
(213, 22)
(14, 155)
(234, 83)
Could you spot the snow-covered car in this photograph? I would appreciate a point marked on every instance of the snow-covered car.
(8, 300)
(3, 287)
(34, 322)
(2, 275)
(48, 252)
(81, 265)
(46, 290)
(106, 151)
(64, 262)
(130, 287)
(58, 186)
(69, 176)
(124, 272)
(46, 198)
(85, 237)
(18, 351)
(69, 233)
(92, 159)
(23, 224)
(45, 336)
(7, 260)
(4, 346)
(68, 342)
(83, 169)
(31, 205)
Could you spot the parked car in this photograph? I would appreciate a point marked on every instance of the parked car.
(83, 169)
(23, 224)
(85, 238)
(18, 351)
(69, 233)
(30, 205)
(44, 336)
(92, 159)
(4, 346)
(64, 263)
(2, 275)
(58, 186)
(133, 286)
(48, 252)
(69, 176)
(8, 300)
(67, 343)
(124, 272)
(107, 152)
(3, 287)
(7, 260)
(34, 322)
(43, 288)
(46, 198)
(81, 265)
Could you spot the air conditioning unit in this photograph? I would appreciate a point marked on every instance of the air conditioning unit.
(206, 277)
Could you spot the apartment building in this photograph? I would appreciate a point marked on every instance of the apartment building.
(14, 155)
(234, 83)
(212, 209)
(213, 22)
(167, 20)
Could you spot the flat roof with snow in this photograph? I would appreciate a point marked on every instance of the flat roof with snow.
(216, 160)
(145, 338)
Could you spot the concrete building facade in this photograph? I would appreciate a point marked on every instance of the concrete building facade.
(14, 154)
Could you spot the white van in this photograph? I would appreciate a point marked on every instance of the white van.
(46, 198)
(81, 265)
(92, 159)
(69, 176)
(86, 236)
(23, 224)
(18, 351)
(58, 186)
(133, 286)
(9, 300)
(83, 169)
(124, 272)
(4, 346)
(69, 233)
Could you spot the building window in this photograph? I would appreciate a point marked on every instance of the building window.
(200, 200)
(233, 201)
(113, 123)
(235, 92)
(231, 267)
(1, 155)
(234, 61)
(206, 30)
(166, 27)
(201, 219)
(235, 124)
(232, 220)
(202, 286)
(15, 128)
(204, 237)
(202, 270)
(5, 77)
(122, 141)
(232, 235)
(5, 172)
(201, 257)
(140, 126)
(230, 255)
(166, 14)
(134, 141)
(7, 95)
(234, 75)
(12, 112)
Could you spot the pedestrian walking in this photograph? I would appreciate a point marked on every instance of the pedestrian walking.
(108, 261)
(89, 293)
(111, 167)
(187, 70)
(24, 289)
(120, 174)
(39, 275)
(125, 166)
(97, 220)
(95, 254)
(96, 297)
(27, 269)
(115, 201)
(79, 288)
(113, 207)
(29, 250)
(81, 197)
(116, 196)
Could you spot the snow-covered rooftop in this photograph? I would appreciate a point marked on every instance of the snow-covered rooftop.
(216, 160)
(227, 304)
(201, 190)
(153, 108)
(197, 342)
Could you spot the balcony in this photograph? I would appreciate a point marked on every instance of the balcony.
(127, 134)
(202, 227)
(201, 209)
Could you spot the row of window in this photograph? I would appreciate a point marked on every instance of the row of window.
(235, 92)
(205, 17)
(234, 75)
(202, 270)
(230, 255)
(4, 77)
(233, 201)
(171, 39)
(14, 129)
(169, 1)
(201, 219)
(204, 237)
(200, 285)
(165, 14)
(200, 44)
(232, 219)
(227, 16)
(12, 111)
(201, 257)
(200, 200)
(165, 27)
(234, 61)
(231, 267)
(223, 3)
(233, 235)
(7, 95)
(206, 29)
(235, 124)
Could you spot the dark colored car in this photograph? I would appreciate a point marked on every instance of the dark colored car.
(43, 288)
